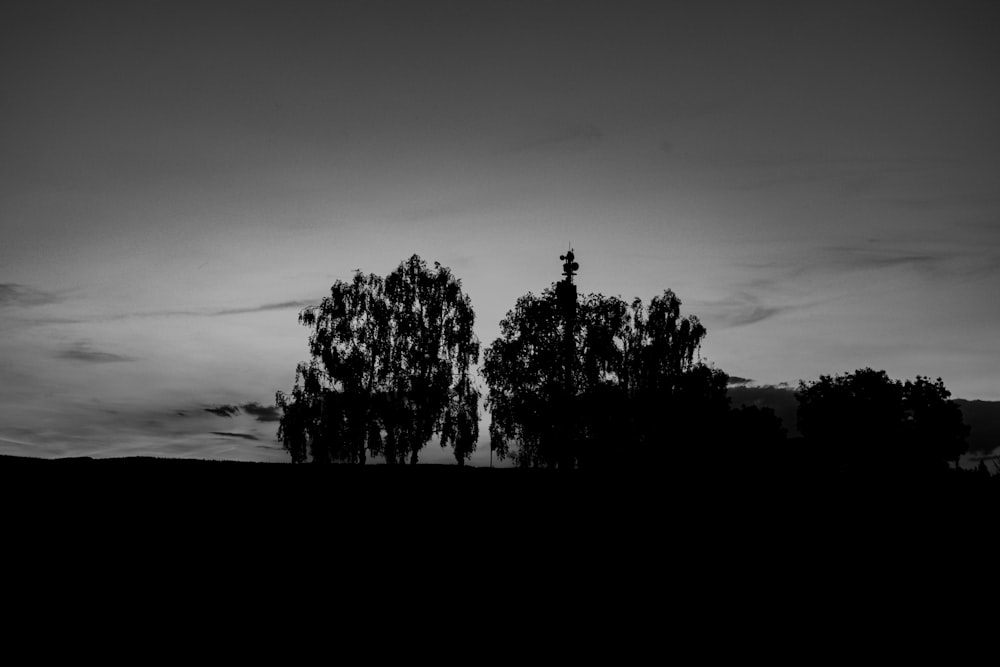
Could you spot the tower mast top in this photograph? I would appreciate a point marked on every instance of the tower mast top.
(570, 267)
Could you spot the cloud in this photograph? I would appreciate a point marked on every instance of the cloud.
(854, 177)
(967, 263)
(799, 273)
(82, 351)
(245, 436)
(284, 305)
(22, 446)
(697, 109)
(450, 207)
(753, 314)
(59, 428)
(566, 136)
(735, 381)
(224, 410)
(863, 258)
(263, 413)
(14, 294)
(742, 309)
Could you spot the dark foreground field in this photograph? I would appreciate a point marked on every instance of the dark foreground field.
(679, 540)
(451, 495)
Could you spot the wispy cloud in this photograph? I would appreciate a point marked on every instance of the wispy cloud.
(697, 109)
(741, 309)
(959, 262)
(244, 436)
(262, 413)
(864, 258)
(450, 207)
(19, 443)
(15, 294)
(63, 427)
(82, 351)
(223, 410)
(798, 274)
(284, 305)
(753, 314)
(565, 136)
(853, 176)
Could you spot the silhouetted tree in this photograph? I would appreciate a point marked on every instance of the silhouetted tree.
(631, 382)
(934, 424)
(391, 367)
(868, 422)
(678, 403)
(524, 372)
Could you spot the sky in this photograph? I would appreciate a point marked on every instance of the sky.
(819, 182)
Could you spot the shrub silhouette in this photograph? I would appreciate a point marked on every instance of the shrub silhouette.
(391, 367)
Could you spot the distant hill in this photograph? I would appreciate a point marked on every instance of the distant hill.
(982, 416)
(780, 399)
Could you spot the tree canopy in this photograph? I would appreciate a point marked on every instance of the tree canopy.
(597, 376)
(867, 422)
(577, 381)
(391, 368)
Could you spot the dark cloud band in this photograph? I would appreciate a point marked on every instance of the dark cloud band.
(84, 352)
(263, 413)
(14, 294)
(244, 436)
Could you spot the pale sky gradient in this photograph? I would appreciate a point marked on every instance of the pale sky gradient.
(818, 181)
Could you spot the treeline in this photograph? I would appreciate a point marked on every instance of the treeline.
(579, 382)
